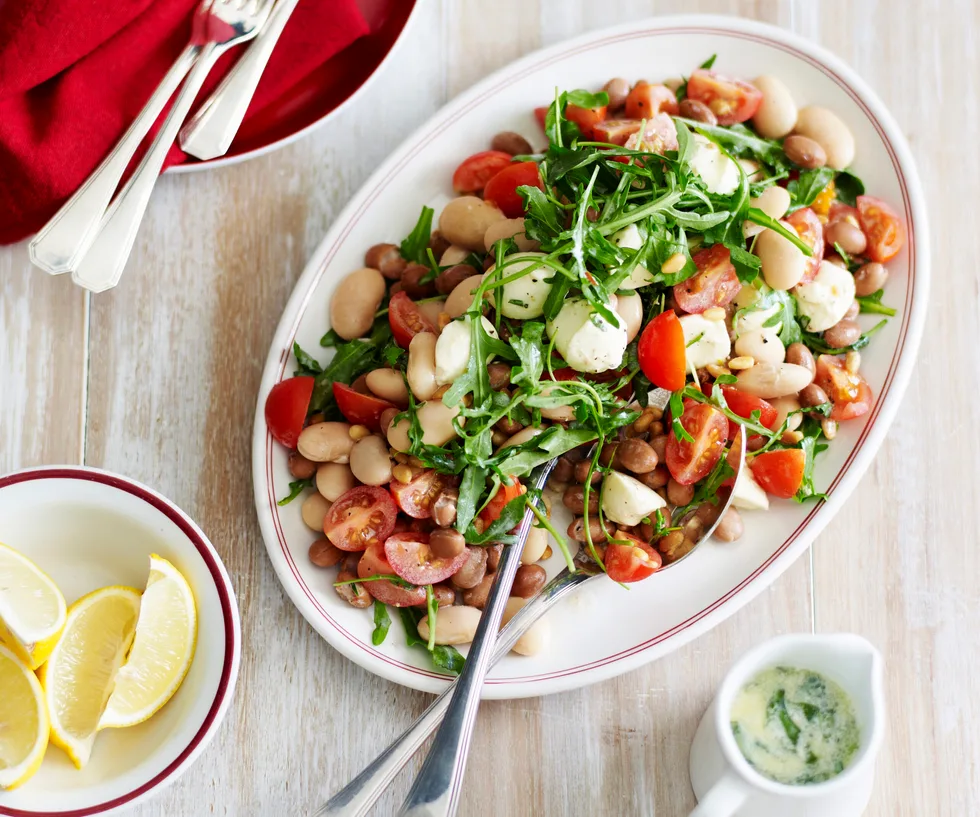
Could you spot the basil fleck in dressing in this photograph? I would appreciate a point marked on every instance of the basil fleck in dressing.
(795, 726)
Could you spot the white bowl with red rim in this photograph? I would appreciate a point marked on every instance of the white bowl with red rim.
(89, 528)
(604, 630)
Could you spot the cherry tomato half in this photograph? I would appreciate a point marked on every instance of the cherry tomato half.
(502, 188)
(615, 131)
(416, 497)
(690, 461)
(779, 473)
(540, 114)
(411, 558)
(883, 228)
(585, 118)
(474, 172)
(360, 409)
(499, 500)
(406, 319)
(286, 407)
(645, 101)
(743, 404)
(633, 562)
(731, 100)
(375, 562)
(850, 393)
(715, 284)
(360, 517)
(661, 352)
(810, 230)
(659, 136)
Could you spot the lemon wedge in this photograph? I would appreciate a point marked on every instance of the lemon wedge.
(23, 721)
(32, 609)
(79, 675)
(166, 635)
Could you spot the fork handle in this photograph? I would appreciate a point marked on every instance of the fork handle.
(210, 132)
(357, 797)
(102, 264)
(61, 242)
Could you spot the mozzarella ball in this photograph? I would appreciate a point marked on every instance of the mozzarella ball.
(631, 238)
(826, 298)
(719, 173)
(586, 340)
(705, 341)
(628, 501)
(524, 298)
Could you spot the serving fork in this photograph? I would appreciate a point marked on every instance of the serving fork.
(357, 797)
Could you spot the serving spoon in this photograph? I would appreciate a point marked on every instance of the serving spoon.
(357, 797)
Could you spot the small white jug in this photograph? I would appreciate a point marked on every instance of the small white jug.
(724, 782)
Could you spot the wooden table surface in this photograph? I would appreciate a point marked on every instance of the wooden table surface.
(158, 379)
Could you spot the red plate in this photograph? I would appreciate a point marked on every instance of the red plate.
(311, 101)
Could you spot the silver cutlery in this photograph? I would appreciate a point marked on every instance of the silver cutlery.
(218, 26)
(357, 797)
(211, 130)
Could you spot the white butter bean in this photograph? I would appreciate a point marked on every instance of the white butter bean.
(333, 478)
(534, 545)
(537, 636)
(436, 420)
(828, 130)
(369, 461)
(454, 625)
(773, 201)
(461, 298)
(421, 369)
(785, 406)
(783, 263)
(355, 301)
(630, 309)
(522, 436)
(508, 228)
(325, 442)
(388, 385)
(464, 221)
(766, 380)
(762, 345)
(313, 510)
(776, 115)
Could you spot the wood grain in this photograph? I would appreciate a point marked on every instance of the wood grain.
(164, 373)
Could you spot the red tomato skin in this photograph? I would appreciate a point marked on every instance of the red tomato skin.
(731, 100)
(659, 136)
(779, 473)
(688, 462)
(633, 562)
(411, 558)
(883, 228)
(615, 131)
(406, 319)
(743, 405)
(715, 284)
(360, 409)
(501, 190)
(850, 393)
(415, 498)
(646, 100)
(540, 114)
(809, 228)
(286, 408)
(375, 562)
(504, 494)
(475, 171)
(661, 352)
(362, 498)
(585, 118)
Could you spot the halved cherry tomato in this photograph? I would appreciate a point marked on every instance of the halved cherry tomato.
(779, 473)
(360, 409)
(499, 500)
(690, 461)
(715, 284)
(743, 404)
(416, 497)
(360, 517)
(659, 136)
(286, 407)
(731, 100)
(406, 319)
(375, 562)
(883, 228)
(502, 188)
(850, 393)
(411, 558)
(615, 131)
(540, 114)
(633, 562)
(809, 228)
(475, 171)
(585, 118)
(645, 101)
(661, 352)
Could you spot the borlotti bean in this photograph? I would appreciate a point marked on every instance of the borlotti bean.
(410, 440)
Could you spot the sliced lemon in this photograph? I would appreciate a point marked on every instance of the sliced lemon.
(23, 721)
(32, 609)
(163, 649)
(79, 675)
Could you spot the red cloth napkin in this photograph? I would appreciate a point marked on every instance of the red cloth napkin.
(75, 73)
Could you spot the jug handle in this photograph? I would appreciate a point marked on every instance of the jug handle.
(723, 799)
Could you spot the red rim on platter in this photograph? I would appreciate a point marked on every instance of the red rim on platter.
(893, 374)
(229, 615)
(311, 101)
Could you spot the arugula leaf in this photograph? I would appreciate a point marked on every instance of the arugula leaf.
(308, 365)
(707, 489)
(295, 489)
(381, 623)
(848, 187)
(411, 616)
(539, 210)
(747, 265)
(352, 359)
(777, 709)
(706, 65)
(447, 657)
(740, 141)
(812, 433)
(872, 303)
(431, 610)
(553, 443)
(759, 217)
(530, 352)
(499, 530)
(817, 344)
(586, 99)
(470, 489)
(558, 129)
(811, 183)
(676, 412)
(331, 339)
(417, 242)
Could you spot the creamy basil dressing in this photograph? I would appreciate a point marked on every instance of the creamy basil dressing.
(795, 726)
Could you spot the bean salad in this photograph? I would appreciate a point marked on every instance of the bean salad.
(701, 238)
